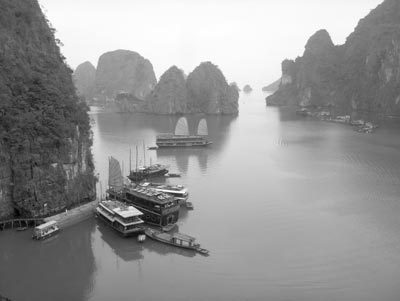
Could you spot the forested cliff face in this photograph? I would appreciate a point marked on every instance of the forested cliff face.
(123, 71)
(205, 90)
(363, 74)
(45, 156)
(170, 94)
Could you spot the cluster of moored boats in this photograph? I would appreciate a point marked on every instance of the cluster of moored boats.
(359, 125)
(141, 207)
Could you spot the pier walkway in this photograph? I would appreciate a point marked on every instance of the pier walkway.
(19, 222)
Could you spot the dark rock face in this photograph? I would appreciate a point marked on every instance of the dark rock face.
(45, 157)
(169, 95)
(209, 93)
(84, 77)
(123, 71)
(363, 74)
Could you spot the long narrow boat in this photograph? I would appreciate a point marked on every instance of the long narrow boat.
(182, 138)
(176, 239)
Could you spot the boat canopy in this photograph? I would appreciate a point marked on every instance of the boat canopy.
(202, 129)
(182, 128)
(114, 173)
(46, 225)
(183, 237)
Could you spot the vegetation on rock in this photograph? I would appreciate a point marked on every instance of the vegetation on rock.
(45, 158)
(84, 78)
(123, 71)
(363, 74)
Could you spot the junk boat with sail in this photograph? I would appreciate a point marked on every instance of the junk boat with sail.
(158, 208)
(146, 172)
(182, 138)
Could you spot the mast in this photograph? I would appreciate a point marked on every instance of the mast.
(144, 155)
(130, 161)
(136, 157)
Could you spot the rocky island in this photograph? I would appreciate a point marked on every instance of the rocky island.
(361, 75)
(45, 150)
(247, 89)
(127, 81)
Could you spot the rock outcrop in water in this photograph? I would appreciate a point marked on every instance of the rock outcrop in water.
(123, 71)
(170, 94)
(209, 93)
(362, 75)
(247, 89)
(45, 157)
(204, 91)
(84, 78)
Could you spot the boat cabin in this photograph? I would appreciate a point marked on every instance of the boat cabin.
(183, 240)
(45, 230)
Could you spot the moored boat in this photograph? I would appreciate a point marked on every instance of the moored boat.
(147, 172)
(176, 239)
(189, 205)
(180, 192)
(122, 218)
(158, 208)
(45, 230)
(182, 138)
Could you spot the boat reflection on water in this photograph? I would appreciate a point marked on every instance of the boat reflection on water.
(58, 268)
(218, 133)
(128, 249)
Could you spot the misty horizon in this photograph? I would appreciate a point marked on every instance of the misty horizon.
(248, 41)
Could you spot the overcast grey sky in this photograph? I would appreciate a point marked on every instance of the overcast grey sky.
(246, 39)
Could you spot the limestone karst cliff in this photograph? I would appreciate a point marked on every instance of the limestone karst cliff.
(45, 157)
(170, 94)
(84, 77)
(205, 90)
(123, 71)
(209, 93)
(363, 74)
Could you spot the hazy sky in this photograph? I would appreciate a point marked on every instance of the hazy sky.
(247, 39)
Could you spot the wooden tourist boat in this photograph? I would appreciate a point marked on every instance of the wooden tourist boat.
(176, 239)
(122, 218)
(158, 208)
(181, 137)
(45, 230)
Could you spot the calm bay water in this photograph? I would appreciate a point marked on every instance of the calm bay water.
(290, 209)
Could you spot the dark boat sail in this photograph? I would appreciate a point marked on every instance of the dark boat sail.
(182, 138)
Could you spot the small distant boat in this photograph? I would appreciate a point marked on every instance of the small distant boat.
(176, 239)
(173, 175)
(45, 230)
(189, 205)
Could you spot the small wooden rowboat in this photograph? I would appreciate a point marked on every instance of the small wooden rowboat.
(176, 239)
